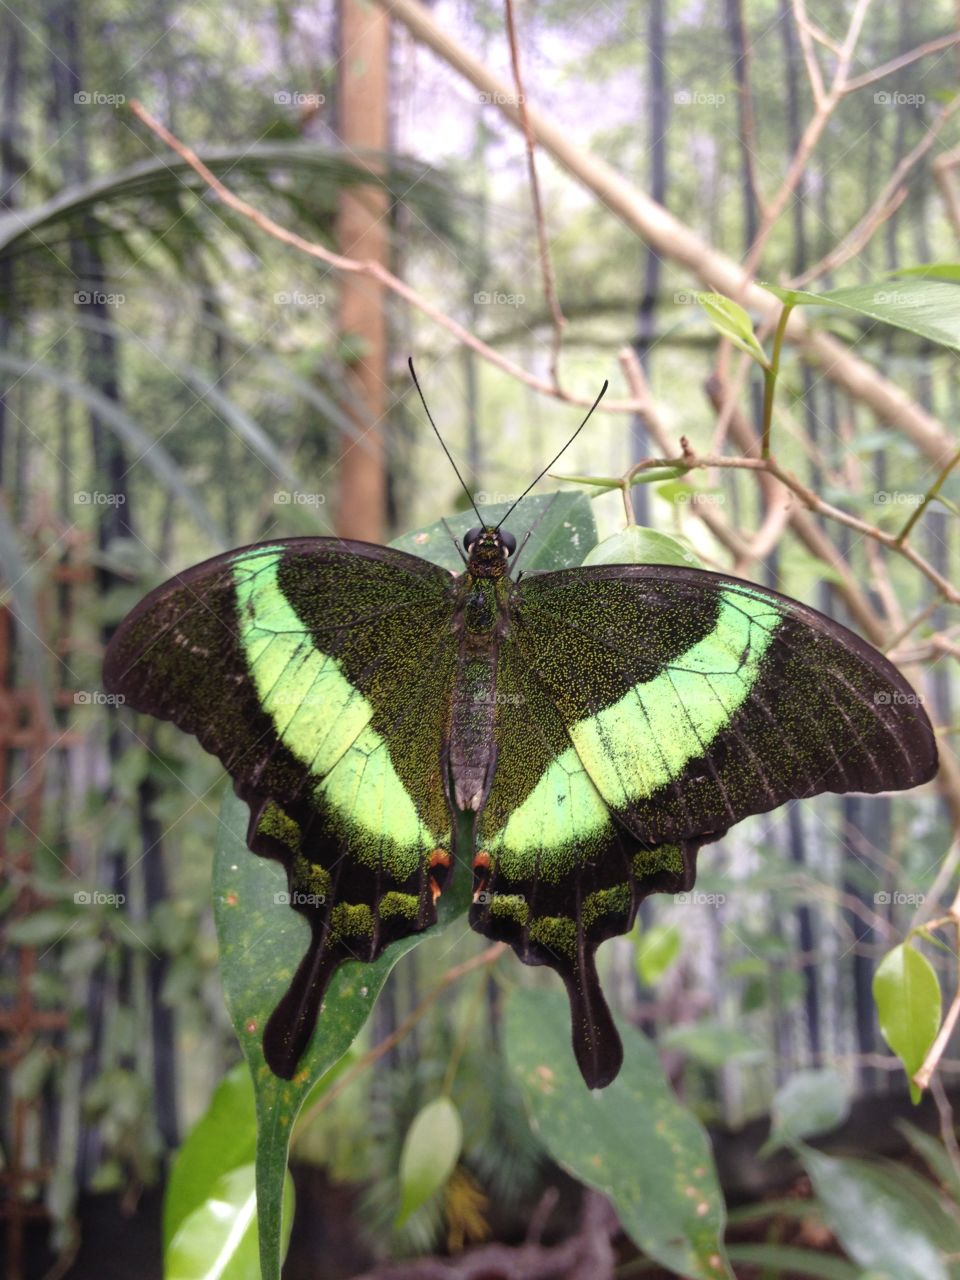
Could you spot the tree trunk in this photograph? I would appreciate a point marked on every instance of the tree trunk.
(362, 233)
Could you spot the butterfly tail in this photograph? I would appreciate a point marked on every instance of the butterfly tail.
(291, 1024)
(596, 1041)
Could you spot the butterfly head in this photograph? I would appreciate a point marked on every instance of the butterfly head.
(489, 550)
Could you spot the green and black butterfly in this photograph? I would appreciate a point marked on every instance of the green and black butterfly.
(589, 729)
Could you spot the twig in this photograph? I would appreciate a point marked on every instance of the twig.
(370, 268)
(928, 497)
(546, 263)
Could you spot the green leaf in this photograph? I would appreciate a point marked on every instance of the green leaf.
(431, 1150)
(261, 943)
(886, 1217)
(907, 996)
(710, 1043)
(218, 1240)
(561, 527)
(42, 928)
(638, 545)
(632, 1141)
(730, 319)
(928, 308)
(656, 950)
(224, 1138)
(809, 1102)
(935, 1154)
(782, 1259)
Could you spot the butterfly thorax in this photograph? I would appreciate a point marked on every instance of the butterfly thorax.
(482, 619)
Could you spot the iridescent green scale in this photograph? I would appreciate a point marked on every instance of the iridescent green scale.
(588, 729)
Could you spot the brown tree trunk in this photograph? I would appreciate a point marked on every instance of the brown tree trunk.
(362, 232)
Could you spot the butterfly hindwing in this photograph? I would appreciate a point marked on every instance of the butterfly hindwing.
(319, 672)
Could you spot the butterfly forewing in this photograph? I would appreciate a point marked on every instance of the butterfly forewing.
(319, 672)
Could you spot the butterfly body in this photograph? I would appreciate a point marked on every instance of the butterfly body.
(571, 740)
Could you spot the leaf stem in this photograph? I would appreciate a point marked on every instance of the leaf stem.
(770, 374)
(927, 499)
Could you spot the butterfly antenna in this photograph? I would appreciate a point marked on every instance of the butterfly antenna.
(603, 392)
(413, 375)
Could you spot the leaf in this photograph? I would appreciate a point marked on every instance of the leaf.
(224, 1138)
(430, 1153)
(928, 308)
(656, 950)
(935, 1154)
(633, 1141)
(730, 319)
(782, 1259)
(261, 943)
(561, 527)
(886, 1217)
(218, 1240)
(809, 1102)
(41, 928)
(907, 996)
(710, 1043)
(638, 545)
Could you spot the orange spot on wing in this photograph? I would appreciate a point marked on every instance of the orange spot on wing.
(482, 861)
(439, 858)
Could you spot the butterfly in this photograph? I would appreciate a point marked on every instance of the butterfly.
(574, 736)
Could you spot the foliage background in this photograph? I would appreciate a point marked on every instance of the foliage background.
(169, 373)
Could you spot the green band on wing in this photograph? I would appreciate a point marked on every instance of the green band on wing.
(324, 721)
(641, 743)
(629, 750)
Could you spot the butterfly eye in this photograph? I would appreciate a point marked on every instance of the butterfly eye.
(470, 537)
(509, 542)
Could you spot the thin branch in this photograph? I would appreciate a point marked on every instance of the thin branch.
(903, 60)
(546, 263)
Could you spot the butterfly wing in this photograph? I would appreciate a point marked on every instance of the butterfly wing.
(319, 672)
(667, 704)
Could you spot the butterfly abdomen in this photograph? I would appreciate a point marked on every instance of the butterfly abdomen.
(472, 749)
